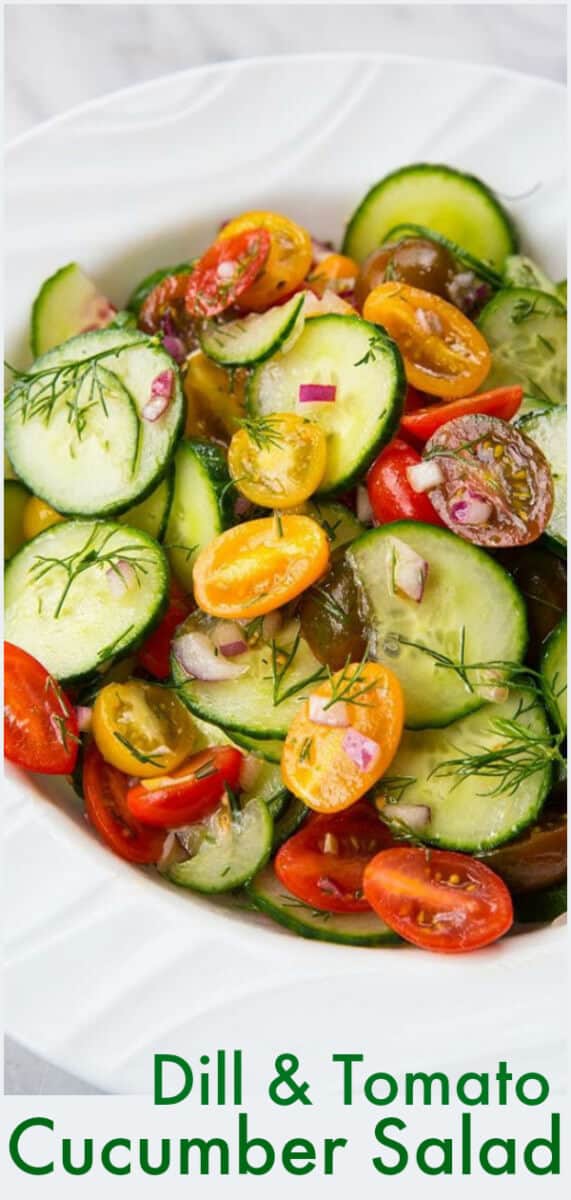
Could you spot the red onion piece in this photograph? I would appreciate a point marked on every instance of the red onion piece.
(83, 715)
(362, 751)
(364, 510)
(161, 393)
(473, 510)
(337, 715)
(328, 886)
(424, 476)
(317, 393)
(249, 771)
(416, 816)
(228, 637)
(175, 347)
(120, 577)
(408, 570)
(198, 658)
(97, 314)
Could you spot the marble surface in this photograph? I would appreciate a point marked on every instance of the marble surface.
(94, 49)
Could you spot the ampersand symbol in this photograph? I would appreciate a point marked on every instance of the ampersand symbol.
(286, 1065)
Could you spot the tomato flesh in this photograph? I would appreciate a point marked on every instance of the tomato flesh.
(40, 724)
(323, 864)
(189, 794)
(332, 621)
(105, 795)
(390, 494)
(279, 462)
(226, 271)
(423, 422)
(438, 899)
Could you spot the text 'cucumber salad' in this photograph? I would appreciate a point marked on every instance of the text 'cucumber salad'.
(285, 547)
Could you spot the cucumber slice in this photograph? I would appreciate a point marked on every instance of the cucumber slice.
(268, 784)
(16, 497)
(202, 504)
(349, 929)
(459, 206)
(561, 291)
(291, 817)
(88, 451)
(67, 303)
(339, 523)
(271, 751)
(251, 339)
(529, 405)
(59, 603)
(538, 907)
(153, 513)
(522, 272)
(472, 813)
(142, 290)
(526, 331)
(548, 429)
(481, 269)
(233, 849)
(246, 704)
(554, 668)
(366, 368)
(471, 610)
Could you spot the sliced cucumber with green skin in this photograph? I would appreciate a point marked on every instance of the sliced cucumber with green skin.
(246, 704)
(548, 429)
(232, 851)
(348, 929)
(16, 497)
(472, 813)
(143, 289)
(123, 320)
(522, 272)
(339, 523)
(252, 339)
(289, 820)
(366, 368)
(471, 610)
(561, 291)
(554, 668)
(67, 303)
(526, 331)
(482, 269)
(62, 604)
(271, 751)
(458, 206)
(202, 504)
(539, 907)
(90, 451)
(153, 513)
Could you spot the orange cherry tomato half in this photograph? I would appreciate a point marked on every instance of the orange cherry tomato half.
(258, 566)
(188, 794)
(336, 272)
(154, 654)
(331, 766)
(390, 494)
(500, 402)
(438, 899)
(443, 352)
(287, 264)
(105, 794)
(323, 864)
(226, 271)
(40, 725)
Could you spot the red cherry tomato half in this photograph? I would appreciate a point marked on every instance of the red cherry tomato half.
(438, 899)
(40, 725)
(390, 494)
(423, 422)
(105, 797)
(226, 271)
(154, 654)
(168, 297)
(323, 864)
(189, 794)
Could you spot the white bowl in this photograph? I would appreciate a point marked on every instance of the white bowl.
(106, 963)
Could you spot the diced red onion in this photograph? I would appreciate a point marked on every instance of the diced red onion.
(337, 715)
(161, 392)
(317, 393)
(423, 476)
(198, 658)
(175, 347)
(97, 314)
(271, 623)
(228, 637)
(474, 510)
(409, 571)
(168, 847)
(120, 577)
(328, 886)
(362, 751)
(364, 510)
(416, 816)
(249, 771)
(83, 715)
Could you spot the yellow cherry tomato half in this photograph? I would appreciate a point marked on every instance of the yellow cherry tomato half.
(278, 461)
(258, 566)
(142, 728)
(214, 399)
(330, 766)
(443, 352)
(287, 264)
(38, 516)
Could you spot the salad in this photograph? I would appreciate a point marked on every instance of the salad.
(285, 578)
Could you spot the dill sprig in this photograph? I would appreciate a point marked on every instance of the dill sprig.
(150, 759)
(264, 431)
(344, 683)
(458, 665)
(377, 345)
(282, 659)
(93, 553)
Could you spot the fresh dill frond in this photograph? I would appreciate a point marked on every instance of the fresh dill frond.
(93, 553)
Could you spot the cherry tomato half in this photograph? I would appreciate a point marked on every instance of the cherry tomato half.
(332, 621)
(226, 270)
(38, 516)
(415, 261)
(279, 461)
(40, 725)
(165, 303)
(443, 352)
(323, 864)
(423, 422)
(105, 794)
(390, 494)
(189, 794)
(537, 858)
(287, 264)
(214, 399)
(336, 272)
(438, 899)
(154, 654)
(142, 728)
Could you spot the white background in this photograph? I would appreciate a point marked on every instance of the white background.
(57, 56)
